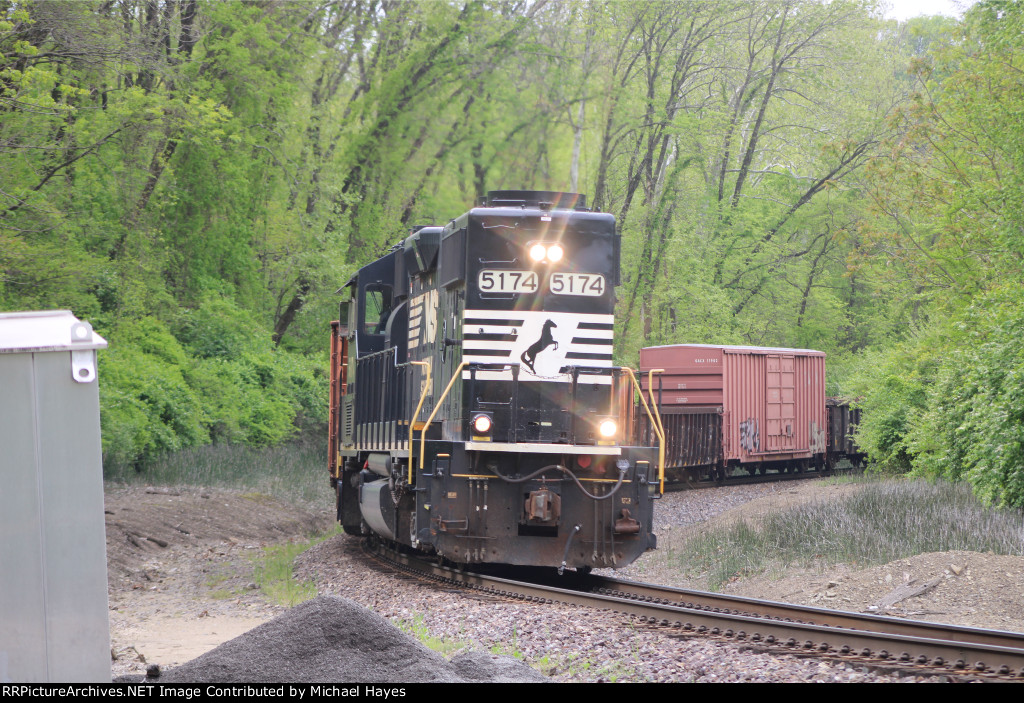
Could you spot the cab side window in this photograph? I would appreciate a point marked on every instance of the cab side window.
(376, 307)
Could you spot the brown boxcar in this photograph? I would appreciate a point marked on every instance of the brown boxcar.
(842, 424)
(729, 406)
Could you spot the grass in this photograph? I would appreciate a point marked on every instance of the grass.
(295, 472)
(585, 667)
(509, 650)
(418, 628)
(274, 575)
(879, 523)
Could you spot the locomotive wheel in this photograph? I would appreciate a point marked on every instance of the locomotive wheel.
(360, 530)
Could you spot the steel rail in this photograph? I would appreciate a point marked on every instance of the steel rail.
(811, 614)
(877, 640)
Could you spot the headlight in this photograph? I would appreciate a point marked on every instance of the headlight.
(607, 428)
(482, 424)
(545, 252)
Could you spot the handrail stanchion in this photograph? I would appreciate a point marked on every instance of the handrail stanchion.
(437, 406)
(655, 426)
(416, 413)
(661, 427)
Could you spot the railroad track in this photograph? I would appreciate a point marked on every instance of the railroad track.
(962, 653)
(741, 479)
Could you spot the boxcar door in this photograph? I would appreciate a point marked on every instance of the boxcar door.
(780, 405)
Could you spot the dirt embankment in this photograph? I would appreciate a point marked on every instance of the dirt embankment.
(180, 568)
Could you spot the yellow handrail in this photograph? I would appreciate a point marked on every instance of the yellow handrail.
(412, 422)
(437, 406)
(655, 424)
(657, 416)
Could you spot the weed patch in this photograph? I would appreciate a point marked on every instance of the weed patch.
(295, 472)
(881, 522)
(418, 628)
(274, 575)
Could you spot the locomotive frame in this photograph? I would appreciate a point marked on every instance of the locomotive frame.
(475, 409)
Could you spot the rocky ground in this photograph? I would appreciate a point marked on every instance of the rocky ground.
(181, 582)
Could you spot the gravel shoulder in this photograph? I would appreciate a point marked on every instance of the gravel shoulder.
(180, 570)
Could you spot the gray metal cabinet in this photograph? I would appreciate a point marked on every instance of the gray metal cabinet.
(53, 563)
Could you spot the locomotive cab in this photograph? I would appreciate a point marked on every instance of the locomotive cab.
(479, 413)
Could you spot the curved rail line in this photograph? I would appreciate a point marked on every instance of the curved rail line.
(740, 479)
(912, 645)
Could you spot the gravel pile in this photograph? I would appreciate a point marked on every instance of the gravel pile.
(334, 640)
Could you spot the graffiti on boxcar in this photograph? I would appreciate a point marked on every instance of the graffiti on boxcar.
(817, 438)
(749, 436)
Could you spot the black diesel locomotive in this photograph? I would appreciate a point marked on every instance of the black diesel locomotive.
(475, 410)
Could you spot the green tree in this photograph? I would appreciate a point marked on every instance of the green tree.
(949, 224)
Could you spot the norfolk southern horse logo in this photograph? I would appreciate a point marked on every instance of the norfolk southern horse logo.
(529, 356)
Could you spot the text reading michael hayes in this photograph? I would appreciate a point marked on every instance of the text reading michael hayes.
(208, 690)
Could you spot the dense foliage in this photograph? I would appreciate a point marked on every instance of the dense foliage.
(948, 225)
(198, 178)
